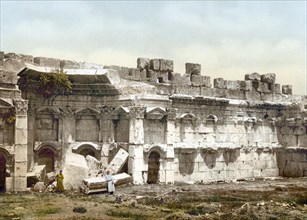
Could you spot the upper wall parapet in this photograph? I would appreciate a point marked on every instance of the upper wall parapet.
(161, 71)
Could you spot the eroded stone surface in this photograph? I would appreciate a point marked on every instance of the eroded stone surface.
(172, 127)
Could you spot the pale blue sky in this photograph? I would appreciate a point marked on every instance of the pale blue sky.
(228, 38)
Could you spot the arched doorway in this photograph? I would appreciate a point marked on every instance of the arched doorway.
(153, 167)
(46, 157)
(2, 172)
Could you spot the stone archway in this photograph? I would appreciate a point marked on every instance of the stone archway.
(46, 156)
(87, 149)
(153, 167)
(2, 172)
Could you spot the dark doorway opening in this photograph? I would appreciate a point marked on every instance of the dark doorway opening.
(46, 157)
(2, 172)
(153, 167)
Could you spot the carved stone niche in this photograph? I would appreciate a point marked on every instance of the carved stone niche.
(87, 112)
(156, 113)
(211, 119)
(188, 117)
(120, 112)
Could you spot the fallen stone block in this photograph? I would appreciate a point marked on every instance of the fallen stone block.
(99, 184)
(37, 174)
(39, 187)
(75, 170)
(92, 163)
(118, 161)
(277, 89)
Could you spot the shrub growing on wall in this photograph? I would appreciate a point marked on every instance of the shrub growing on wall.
(46, 85)
(54, 83)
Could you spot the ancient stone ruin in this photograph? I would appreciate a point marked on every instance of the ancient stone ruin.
(175, 127)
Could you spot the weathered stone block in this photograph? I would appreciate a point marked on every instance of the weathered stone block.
(192, 68)
(20, 168)
(261, 87)
(277, 89)
(197, 80)
(49, 62)
(134, 74)
(20, 184)
(246, 85)
(268, 78)
(233, 85)
(166, 65)
(9, 69)
(252, 95)
(286, 89)
(219, 83)
(255, 77)
(68, 64)
(181, 79)
(154, 64)
(142, 63)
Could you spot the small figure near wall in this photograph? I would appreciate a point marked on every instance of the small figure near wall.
(111, 183)
(59, 182)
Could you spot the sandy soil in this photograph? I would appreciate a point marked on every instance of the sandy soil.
(260, 199)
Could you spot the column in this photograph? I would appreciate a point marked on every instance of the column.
(21, 141)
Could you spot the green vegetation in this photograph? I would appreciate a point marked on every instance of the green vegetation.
(9, 117)
(54, 83)
(47, 85)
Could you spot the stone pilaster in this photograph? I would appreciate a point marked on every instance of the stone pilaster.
(170, 127)
(67, 126)
(106, 126)
(21, 141)
(136, 127)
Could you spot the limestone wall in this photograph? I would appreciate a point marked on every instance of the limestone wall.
(190, 128)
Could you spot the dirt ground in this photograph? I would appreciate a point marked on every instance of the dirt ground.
(257, 199)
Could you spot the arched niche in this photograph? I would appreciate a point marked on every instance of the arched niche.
(47, 154)
(87, 149)
(153, 167)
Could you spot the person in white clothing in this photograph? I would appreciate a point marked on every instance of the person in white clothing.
(110, 181)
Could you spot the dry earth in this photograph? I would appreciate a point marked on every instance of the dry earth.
(260, 199)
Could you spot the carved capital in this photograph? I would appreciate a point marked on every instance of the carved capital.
(137, 112)
(67, 113)
(106, 111)
(21, 107)
(171, 114)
